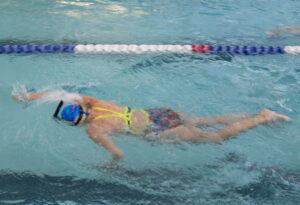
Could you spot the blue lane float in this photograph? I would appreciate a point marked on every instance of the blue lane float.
(132, 48)
(8, 49)
(248, 50)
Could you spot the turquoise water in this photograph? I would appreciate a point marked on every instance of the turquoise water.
(45, 162)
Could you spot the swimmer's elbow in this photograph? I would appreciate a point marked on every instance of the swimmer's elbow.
(88, 101)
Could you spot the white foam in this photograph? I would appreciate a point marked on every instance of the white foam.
(61, 95)
(19, 90)
(282, 104)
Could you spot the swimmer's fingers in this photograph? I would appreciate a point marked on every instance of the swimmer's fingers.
(23, 97)
(18, 98)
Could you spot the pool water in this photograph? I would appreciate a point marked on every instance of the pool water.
(43, 162)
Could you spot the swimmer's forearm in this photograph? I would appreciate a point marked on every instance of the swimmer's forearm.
(113, 149)
(67, 97)
(101, 138)
(27, 96)
(53, 96)
(34, 96)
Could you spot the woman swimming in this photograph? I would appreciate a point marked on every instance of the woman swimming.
(106, 118)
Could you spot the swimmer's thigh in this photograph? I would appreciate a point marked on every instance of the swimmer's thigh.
(190, 133)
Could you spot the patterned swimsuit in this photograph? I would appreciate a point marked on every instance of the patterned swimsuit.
(164, 118)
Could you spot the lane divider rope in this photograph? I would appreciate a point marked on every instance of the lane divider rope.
(137, 49)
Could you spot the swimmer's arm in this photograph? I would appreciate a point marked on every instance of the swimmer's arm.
(34, 96)
(88, 101)
(101, 137)
(50, 96)
(29, 96)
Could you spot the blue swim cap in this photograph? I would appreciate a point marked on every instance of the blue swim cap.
(70, 113)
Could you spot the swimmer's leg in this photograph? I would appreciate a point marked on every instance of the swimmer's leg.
(221, 119)
(265, 116)
(190, 133)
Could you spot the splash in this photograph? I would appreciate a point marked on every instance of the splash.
(61, 95)
(20, 91)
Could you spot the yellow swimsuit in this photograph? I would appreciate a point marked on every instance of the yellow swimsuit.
(127, 116)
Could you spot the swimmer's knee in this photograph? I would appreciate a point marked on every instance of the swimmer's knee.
(225, 134)
(216, 137)
(210, 137)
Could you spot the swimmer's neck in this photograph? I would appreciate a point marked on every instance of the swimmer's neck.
(91, 115)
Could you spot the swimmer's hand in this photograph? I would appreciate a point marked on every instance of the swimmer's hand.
(114, 164)
(24, 97)
(20, 97)
(118, 155)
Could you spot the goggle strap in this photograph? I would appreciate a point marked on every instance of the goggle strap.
(80, 116)
(58, 109)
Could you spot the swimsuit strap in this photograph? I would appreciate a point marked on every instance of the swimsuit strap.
(127, 114)
(111, 111)
(127, 117)
(141, 131)
(147, 114)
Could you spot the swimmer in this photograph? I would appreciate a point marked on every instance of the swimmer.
(105, 118)
(278, 31)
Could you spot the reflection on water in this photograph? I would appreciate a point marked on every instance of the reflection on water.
(162, 185)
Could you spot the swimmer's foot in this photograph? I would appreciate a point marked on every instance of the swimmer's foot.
(271, 116)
